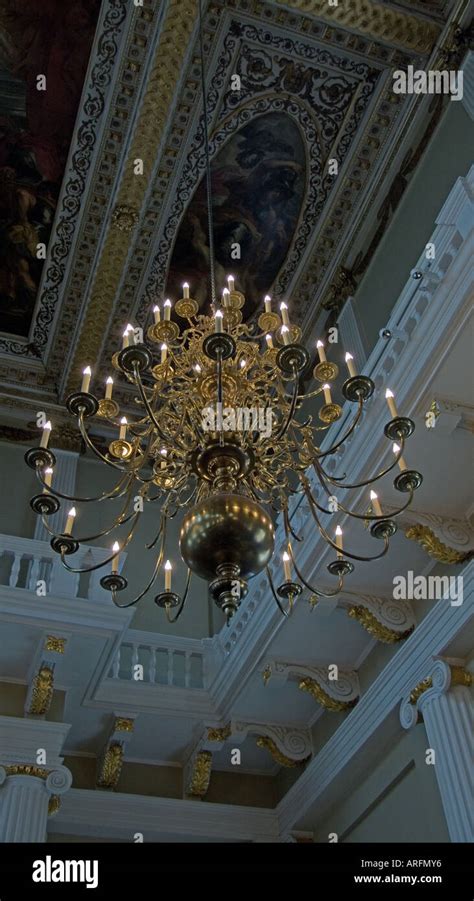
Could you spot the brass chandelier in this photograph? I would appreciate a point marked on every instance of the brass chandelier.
(217, 438)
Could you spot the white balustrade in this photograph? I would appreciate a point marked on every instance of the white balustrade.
(165, 660)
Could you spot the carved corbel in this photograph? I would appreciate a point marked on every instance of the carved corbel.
(197, 773)
(449, 541)
(386, 619)
(289, 747)
(40, 693)
(335, 689)
(111, 762)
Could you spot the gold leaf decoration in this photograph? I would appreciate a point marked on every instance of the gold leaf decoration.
(123, 724)
(420, 689)
(219, 734)
(42, 691)
(326, 701)
(372, 625)
(57, 645)
(54, 804)
(269, 745)
(425, 537)
(201, 775)
(111, 767)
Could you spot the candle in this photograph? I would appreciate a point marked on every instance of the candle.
(391, 403)
(156, 314)
(284, 313)
(339, 541)
(268, 303)
(167, 310)
(46, 433)
(218, 321)
(285, 334)
(268, 339)
(327, 394)
(109, 384)
(225, 297)
(115, 561)
(47, 479)
(197, 368)
(86, 379)
(164, 453)
(123, 428)
(186, 290)
(125, 338)
(231, 282)
(168, 569)
(164, 352)
(401, 462)
(375, 504)
(350, 365)
(322, 355)
(70, 521)
(287, 566)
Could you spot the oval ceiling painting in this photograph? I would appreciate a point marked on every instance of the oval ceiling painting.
(258, 183)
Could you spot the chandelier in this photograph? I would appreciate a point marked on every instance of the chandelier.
(217, 438)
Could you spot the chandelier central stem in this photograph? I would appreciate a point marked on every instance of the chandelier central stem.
(208, 164)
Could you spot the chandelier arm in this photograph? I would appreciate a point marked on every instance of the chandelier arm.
(329, 540)
(158, 563)
(115, 493)
(289, 418)
(96, 566)
(365, 516)
(288, 526)
(371, 481)
(346, 436)
(316, 591)
(146, 404)
(173, 619)
(282, 610)
(97, 452)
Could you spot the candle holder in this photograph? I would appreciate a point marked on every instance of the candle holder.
(326, 371)
(231, 318)
(330, 413)
(292, 359)
(82, 402)
(289, 590)
(186, 308)
(236, 299)
(383, 528)
(164, 332)
(40, 457)
(358, 386)
(120, 448)
(45, 504)
(340, 567)
(294, 335)
(408, 480)
(136, 356)
(399, 427)
(108, 408)
(269, 322)
(64, 545)
(167, 599)
(219, 345)
(113, 582)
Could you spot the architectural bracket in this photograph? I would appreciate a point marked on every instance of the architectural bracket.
(334, 688)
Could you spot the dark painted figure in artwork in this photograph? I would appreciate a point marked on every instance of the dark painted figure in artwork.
(258, 183)
(49, 38)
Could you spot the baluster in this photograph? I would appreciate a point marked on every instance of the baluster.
(187, 668)
(134, 658)
(15, 571)
(170, 666)
(116, 664)
(34, 574)
(200, 672)
(152, 667)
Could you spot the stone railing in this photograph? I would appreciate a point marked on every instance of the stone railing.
(160, 660)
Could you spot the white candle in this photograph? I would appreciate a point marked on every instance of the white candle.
(322, 355)
(168, 569)
(231, 282)
(327, 394)
(125, 338)
(46, 433)
(401, 462)
(285, 335)
(225, 297)
(268, 339)
(70, 521)
(164, 453)
(268, 303)
(185, 290)
(350, 365)
(47, 479)
(115, 561)
(86, 379)
(218, 321)
(123, 428)
(339, 541)
(284, 313)
(109, 384)
(391, 403)
(167, 310)
(375, 504)
(164, 352)
(197, 368)
(156, 314)
(287, 566)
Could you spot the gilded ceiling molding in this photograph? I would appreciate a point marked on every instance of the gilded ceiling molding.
(125, 217)
(26, 769)
(269, 745)
(55, 645)
(41, 691)
(374, 19)
(110, 767)
(426, 538)
(200, 774)
(170, 52)
(219, 735)
(124, 724)
(333, 694)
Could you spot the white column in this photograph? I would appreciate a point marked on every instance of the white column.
(447, 708)
(64, 480)
(25, 798)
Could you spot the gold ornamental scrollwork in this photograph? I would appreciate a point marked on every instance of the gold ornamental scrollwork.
(123, 724)
(375, 628)
(420, 689)
(57, 645)
(42, 691)
(269, 745)
(219, 734)
(426, 538)
(26, 769)
(322, 697)
(201, 775)
(111, 767)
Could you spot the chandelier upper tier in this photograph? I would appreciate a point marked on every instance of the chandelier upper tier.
(218, 435)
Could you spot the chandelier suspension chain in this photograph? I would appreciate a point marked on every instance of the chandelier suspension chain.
(210, 225)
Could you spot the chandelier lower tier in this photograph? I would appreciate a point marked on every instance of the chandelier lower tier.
(218, 438)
